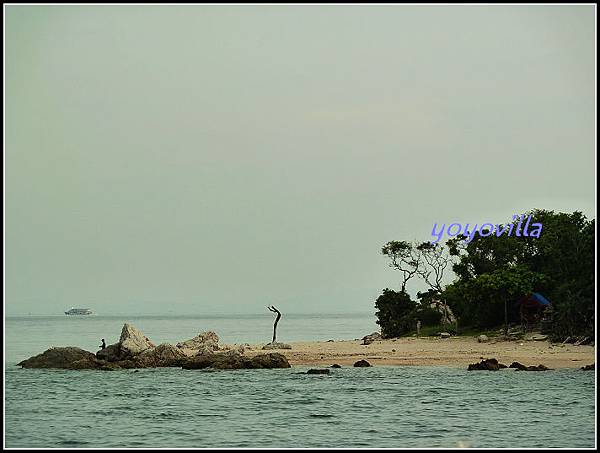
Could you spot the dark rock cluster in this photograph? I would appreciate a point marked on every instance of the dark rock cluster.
(521, 367)
(487, 365)
(362, 363)
(494, 365)
(232, 360)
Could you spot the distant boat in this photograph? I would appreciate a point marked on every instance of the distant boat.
(79, 311)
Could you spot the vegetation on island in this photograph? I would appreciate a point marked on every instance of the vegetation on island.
(492, 273)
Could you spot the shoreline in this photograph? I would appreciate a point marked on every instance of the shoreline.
(456, 352)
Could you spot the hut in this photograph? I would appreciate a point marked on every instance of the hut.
(533, 308)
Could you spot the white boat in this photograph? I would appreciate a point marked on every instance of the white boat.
(79, 311)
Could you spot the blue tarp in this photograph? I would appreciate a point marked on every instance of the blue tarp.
(540, 299)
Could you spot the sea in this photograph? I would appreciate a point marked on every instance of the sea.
(377, 407)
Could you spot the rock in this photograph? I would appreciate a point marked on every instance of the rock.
(540, 367)
(482, 339)
(277, 345)
(231, 360)
(521, 367)
(588, 367)
(204, 341)
(164, 355)
(133, 342)
(317, 371)
(368, 339)
(362, 363)
(271, 360)
(198, 362)
(537, 337)
(70, 358)
(134, 350)
(486, 365)
(335, 365)
(444, 335)
(518, 366)
(111, 353)
(239, 348)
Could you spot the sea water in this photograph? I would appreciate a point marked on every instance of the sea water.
(381, 406)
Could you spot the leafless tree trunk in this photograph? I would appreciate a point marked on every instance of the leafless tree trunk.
(274, 310)
(433, 263)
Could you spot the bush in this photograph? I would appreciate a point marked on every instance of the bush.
(396, 313)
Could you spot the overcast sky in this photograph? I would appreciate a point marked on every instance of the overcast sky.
(206, 159)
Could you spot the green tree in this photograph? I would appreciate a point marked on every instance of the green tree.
(395, 313)
(560, 264)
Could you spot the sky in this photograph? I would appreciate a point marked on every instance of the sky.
(216, 159)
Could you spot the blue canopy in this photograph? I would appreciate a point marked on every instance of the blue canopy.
(540, 299)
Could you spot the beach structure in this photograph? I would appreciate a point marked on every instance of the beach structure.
(533, 309)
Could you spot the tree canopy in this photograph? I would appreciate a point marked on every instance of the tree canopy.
(493, 272)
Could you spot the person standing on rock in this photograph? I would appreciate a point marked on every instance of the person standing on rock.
(103, 345)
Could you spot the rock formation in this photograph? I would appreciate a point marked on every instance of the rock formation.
(164, 355)
(134, 350)
(204, 342)
(232, 360)
(317, 371)
(368, 339)
(69, 358)
(277, 345)
(493, 365)
(133, 342)
(486, 365)
(521, 367)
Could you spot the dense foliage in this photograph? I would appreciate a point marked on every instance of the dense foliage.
(397, 313)
(494, 272)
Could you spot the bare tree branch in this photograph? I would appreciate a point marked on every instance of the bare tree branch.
(403, 257)
(274, 310)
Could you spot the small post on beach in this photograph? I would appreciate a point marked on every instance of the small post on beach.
(274, 310)
(505, 318)
(418, 327)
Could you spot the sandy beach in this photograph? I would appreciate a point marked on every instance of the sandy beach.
(455, 352)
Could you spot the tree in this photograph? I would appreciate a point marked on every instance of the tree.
(484, 301)
(493, 271)
(395, 313)
(507, 284)
(403, 257)
(563, 258)
(433, 262)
